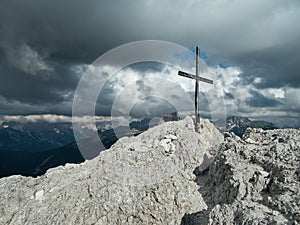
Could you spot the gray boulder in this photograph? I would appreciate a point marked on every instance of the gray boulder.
(252, 182)
(146, 179)
(168, 175)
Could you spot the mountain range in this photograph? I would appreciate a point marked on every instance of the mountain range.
(238, 125)
(31, 148)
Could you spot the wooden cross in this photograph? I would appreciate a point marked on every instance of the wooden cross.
(197, 78)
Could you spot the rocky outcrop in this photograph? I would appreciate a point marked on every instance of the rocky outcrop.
(168, 175)
(253, 180)
(146, 179)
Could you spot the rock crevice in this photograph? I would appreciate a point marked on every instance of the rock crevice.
(252, 182)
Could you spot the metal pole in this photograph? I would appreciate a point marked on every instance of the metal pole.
(197, 120)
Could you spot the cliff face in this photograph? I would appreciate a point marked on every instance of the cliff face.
(168, 175)
(146, 179)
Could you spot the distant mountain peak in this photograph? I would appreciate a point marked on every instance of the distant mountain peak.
(238, 124)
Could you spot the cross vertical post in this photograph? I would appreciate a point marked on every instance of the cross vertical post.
(197, 116)
(197, 78)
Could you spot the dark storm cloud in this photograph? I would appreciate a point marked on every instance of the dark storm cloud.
(68, 31)
(42, 42)
(17, 85)
(79, 32)
(147, 66)
(278, 66)
(259, 100)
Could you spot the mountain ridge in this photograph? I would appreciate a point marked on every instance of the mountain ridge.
(141, 179)
(168, 174)
(239, 124)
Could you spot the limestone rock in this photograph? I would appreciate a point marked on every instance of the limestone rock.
(133, 182)
(166, 146)
(252, 183)
(168, 175)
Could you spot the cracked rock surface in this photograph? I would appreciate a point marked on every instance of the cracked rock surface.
(253, 180)
(146, 179)
(168, 175)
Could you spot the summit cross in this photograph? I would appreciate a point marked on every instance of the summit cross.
(197, 78)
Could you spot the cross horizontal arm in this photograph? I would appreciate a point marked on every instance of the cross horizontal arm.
(192, 76)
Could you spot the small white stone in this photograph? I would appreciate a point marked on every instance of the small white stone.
(250, 141)
(172, 147)
(263, 173)
(166, 146)
(189, 126)
(171, 136)
(168, 140)
(164, 143)
(39, 195)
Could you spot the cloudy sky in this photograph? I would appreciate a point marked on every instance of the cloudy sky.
(251, 46)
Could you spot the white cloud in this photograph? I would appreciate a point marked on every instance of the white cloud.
(129, 87)
(52, 118)
(275, 92)
(138, 84)
(257, 80)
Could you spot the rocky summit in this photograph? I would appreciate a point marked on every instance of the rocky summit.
(253, 180)
(168, 175)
